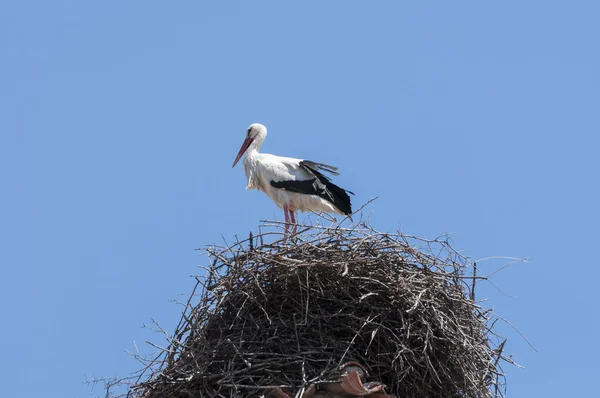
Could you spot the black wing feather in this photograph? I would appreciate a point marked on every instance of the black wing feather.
(320, 186)
(314, 166)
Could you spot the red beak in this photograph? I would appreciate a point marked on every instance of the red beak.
(243, 149)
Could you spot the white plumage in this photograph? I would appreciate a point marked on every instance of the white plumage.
(293, 184)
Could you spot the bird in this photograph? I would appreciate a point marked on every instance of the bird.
(293, 184)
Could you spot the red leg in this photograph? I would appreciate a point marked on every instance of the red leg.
(286, 210)
(293, 219)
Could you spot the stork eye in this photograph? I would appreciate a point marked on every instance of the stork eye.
(249, 130)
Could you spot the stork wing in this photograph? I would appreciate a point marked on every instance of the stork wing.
(313, 167)
(320, 185)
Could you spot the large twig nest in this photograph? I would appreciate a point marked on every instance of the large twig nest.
(286, 317)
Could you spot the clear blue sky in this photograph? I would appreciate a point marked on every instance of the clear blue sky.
(119, 122)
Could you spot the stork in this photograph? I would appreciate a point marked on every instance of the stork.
(293, 184)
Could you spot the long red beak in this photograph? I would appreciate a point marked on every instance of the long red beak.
(243, 149)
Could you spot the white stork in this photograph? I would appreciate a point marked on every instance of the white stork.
(293, 184)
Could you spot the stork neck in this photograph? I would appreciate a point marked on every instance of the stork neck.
(256, 144)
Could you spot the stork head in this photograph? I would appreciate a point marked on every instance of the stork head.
(255, 135)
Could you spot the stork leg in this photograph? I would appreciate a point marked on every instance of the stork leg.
(286, 211)
(293, 220)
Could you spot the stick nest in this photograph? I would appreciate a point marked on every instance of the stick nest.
(288, 314)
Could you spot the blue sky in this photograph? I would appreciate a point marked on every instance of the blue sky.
(120, 120)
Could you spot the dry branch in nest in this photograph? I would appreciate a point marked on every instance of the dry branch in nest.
(301, 318)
